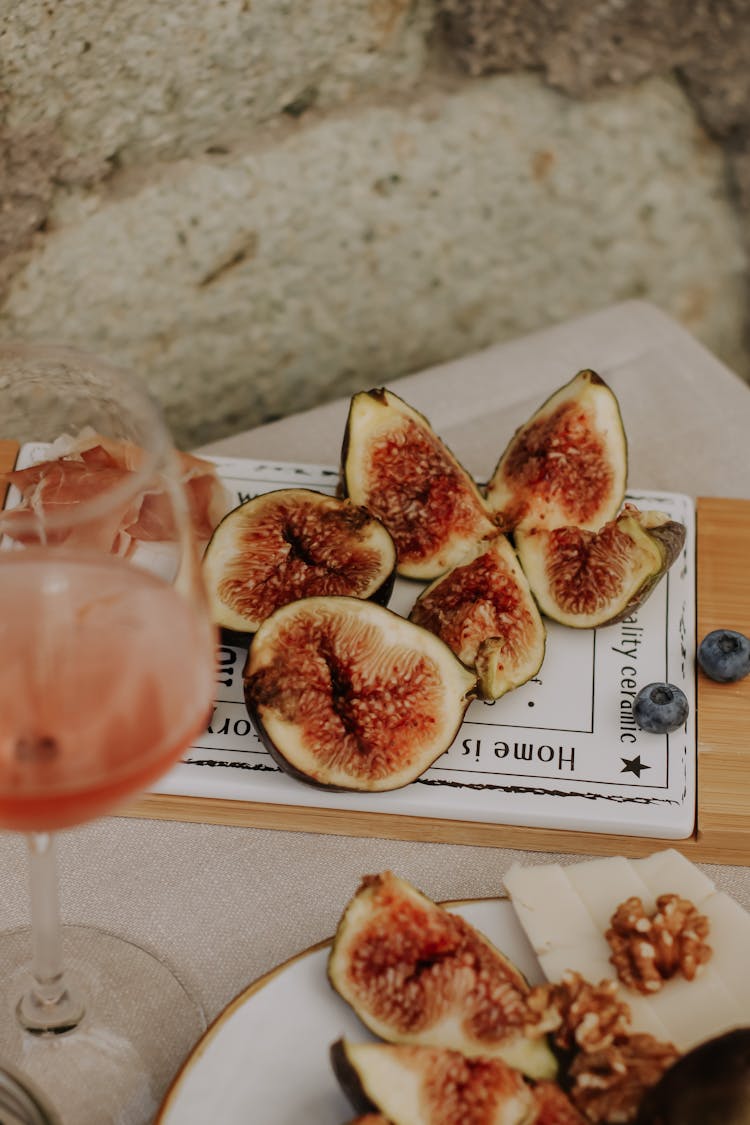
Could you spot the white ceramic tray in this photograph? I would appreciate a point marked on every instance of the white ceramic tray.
(560, 752)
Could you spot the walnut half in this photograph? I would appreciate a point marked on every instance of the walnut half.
(579, 1015)
(607, 1086)
(649, 949)
(610, 1067)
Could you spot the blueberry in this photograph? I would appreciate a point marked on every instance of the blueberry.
(724, 655)
(660, 708)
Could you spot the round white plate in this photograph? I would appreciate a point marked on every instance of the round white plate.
(265, 1058)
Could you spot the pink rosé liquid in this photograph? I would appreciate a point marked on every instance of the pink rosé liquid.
(106, 676)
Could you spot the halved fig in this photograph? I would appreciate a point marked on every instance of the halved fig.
(290, 544)
(348, 695)
(586, 579)
(567, 464)
(396, 466)
(483, 609)
(416, 973)
(431, 1085)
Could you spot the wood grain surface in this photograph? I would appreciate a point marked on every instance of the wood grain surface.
(723, 716)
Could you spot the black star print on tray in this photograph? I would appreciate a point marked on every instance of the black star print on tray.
(634, 765)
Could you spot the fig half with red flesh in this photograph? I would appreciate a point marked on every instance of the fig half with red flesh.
(484, 611)
(348, 695)
(289, 544)
(567, 464)
(395, 465)
(431, 1085)
(587, 579)
(416, 973)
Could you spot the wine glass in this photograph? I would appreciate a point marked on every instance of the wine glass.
(107, 673)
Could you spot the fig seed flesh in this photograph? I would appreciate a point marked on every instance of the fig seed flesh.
(414, 1085)
(348, 695)
(484, 611)
(416, 973)
(567, 464)
(395, 465)
(293, 543)
(587, 579)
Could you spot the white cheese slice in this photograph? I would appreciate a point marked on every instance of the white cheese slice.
(566, 911)
(591, 951)
(729, 937)
(670, 872)
(603, 884)
(695, 1010)
(538, 893)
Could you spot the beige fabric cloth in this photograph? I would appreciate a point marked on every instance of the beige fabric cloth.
(223, 905)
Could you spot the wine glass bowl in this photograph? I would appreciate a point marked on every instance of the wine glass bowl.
(108, 674)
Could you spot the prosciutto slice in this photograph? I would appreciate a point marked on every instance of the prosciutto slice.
(93, 466)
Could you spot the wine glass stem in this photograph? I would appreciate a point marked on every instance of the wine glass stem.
(49, 1006)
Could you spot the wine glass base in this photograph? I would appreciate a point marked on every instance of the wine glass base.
(138, 1026)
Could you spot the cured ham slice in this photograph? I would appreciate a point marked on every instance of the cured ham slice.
(207, 497)
(93, 466)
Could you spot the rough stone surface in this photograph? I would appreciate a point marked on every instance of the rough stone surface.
(127, 80)
(594, 43)
(588, 46)
(370, 243)
(29, 163)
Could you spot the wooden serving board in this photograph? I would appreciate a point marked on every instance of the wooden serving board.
(722, 832)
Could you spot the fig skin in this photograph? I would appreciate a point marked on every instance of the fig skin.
(710, 1085)
(484, 610)
(648, 542)
(349, 1080)
(430, 504)
(415, 973)
(567, 464)
(290, 543)
(347, 695)
(412, 1085)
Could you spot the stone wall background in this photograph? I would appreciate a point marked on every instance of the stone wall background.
(263, 205)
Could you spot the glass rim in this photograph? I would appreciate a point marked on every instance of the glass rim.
(158, 453)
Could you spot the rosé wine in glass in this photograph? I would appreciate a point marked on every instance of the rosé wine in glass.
(106, 687)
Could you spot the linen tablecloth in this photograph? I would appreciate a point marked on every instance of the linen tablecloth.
(222, 905)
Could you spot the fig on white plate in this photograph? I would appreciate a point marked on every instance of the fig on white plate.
(348, 695)
(431, 1085)
(586, 579)
(567, 464)
(289, 544)
(416, 973)
(395, 465)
